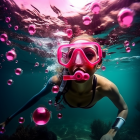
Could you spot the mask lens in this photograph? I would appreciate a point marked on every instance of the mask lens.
(91, 52)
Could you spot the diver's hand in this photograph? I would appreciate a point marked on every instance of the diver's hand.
(107, 137)
(3, 124)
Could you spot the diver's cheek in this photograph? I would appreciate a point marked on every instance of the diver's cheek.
(91, 70)
(70, 71)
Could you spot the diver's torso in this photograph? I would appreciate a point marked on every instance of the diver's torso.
(83, 100)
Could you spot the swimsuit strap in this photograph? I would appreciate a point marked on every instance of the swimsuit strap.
(94, 88)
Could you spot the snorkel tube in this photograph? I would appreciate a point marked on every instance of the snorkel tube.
(78, 75)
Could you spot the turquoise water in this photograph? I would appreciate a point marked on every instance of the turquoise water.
(75, 123)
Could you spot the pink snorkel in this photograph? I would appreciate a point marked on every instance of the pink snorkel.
(79, 75)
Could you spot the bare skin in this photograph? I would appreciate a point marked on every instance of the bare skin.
(80, 93)
(104, 88)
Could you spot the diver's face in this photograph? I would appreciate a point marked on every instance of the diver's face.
(81, 66)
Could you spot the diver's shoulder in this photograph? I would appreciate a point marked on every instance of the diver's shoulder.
(55, 80)
(103, 82)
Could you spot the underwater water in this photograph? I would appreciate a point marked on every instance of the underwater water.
(51, 19)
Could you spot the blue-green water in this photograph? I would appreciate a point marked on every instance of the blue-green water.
(77, 121)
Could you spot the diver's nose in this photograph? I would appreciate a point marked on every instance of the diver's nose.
(79, 60)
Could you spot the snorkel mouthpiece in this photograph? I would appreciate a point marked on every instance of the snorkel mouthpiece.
(78, 75)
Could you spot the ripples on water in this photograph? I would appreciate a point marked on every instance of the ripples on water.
(51, 21)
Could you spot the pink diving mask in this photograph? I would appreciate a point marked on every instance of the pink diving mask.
(87, 53)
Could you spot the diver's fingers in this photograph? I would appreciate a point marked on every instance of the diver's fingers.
(3, 124)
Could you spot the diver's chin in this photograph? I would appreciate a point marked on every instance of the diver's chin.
(80, 81)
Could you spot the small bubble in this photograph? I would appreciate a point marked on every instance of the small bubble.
(16, 27)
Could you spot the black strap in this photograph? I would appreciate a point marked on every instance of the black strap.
(93, 88)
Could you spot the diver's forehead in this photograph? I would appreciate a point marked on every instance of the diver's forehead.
(83, 41)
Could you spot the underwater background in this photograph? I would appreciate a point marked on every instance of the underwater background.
(51, 19)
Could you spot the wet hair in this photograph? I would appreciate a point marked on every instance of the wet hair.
(83, 37)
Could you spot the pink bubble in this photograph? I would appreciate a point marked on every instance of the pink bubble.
(21, 120)
(3, 37)
(0, 67)
(3, 60)
(59, 115)
(36, 64)
(125, 17)
(133, 44)
(1, 55)
(16, 27)
(95, 8)
(16, 61)
(43, 65)
(11, 55)
(55, 104)
(46, 71)
(10, 82)
(69, 33)
(8, 42)
(86, 20)
(50, 102)
(9, 25)
(18, 71)
(103, 68)
(126, 43)
(2, 130)
(7, 19)
(55, 89)
(128, 49)
(117, 62)
(32, 29)
(41, 116)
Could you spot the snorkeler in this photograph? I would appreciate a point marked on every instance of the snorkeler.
(83, 89)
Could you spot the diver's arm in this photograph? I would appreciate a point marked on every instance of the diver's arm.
(114, 95)
(33, 100)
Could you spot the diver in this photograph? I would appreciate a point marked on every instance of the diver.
(79, 85)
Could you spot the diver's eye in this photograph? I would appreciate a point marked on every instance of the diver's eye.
(90, 55)
(69, 54)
